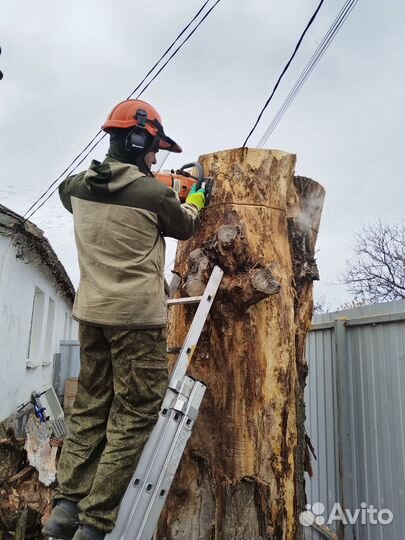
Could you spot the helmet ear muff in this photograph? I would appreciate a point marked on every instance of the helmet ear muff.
(138, 140)
(138, 143)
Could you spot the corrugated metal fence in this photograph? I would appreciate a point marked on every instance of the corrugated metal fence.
(355, 402)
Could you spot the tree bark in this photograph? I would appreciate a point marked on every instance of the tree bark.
(241, 477)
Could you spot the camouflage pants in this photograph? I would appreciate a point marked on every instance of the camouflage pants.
(122, 381)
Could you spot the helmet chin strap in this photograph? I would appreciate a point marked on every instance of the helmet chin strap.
(140, 163)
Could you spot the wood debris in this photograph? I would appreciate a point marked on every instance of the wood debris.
(25, 501)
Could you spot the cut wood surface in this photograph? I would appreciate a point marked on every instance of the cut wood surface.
(242, 473)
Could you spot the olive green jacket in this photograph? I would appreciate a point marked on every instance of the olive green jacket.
(120, 218)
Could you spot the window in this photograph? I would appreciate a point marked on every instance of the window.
(50, 322)
(37, 319)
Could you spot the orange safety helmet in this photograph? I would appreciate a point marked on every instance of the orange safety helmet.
(136, 113)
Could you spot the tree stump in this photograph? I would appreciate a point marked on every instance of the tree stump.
(242, 475)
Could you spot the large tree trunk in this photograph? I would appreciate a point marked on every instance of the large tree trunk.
(242, 473)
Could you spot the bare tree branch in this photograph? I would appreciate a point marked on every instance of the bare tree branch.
(376, 272)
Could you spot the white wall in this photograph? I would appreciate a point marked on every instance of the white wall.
(26, 352)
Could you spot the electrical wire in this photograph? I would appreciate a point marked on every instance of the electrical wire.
(309, 24)
(99, 132)
(320, 51)
(181, 45)
(31, 211)
(53, 190)
(63, 173)
(168, 50)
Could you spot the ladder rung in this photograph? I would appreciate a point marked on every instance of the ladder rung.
(186, 300)
(173, 350)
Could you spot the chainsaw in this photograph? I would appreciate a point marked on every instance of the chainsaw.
(181, 181)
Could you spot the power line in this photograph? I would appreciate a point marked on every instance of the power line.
(181, 45)
(100, 132)
(26, 216)
(320, 51)
(50, 193)
(311, 20)
(168, 50)
(31, 211)
(77, 165)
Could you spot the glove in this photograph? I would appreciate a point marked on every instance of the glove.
(196, 197)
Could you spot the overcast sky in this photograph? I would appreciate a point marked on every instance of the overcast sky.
(66, 64)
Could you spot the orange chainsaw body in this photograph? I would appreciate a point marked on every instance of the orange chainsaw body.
(181, 181)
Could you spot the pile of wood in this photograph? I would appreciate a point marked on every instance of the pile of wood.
(25, 502)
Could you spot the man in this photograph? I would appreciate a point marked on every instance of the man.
(121, 214)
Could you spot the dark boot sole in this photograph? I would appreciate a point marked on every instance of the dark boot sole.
(59, 533)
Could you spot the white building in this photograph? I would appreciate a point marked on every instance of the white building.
(36, 297)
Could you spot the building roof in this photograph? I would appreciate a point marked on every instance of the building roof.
(27, 236)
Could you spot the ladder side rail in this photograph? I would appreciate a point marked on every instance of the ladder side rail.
(152, 457)
(196, 328)
(149, 517)
(162, 434)
(138, 496)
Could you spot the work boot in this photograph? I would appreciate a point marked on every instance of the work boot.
(88, 532)
(63, 520)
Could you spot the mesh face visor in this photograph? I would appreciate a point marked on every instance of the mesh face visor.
(164, 142)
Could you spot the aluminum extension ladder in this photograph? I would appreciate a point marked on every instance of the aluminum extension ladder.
(146, 494)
